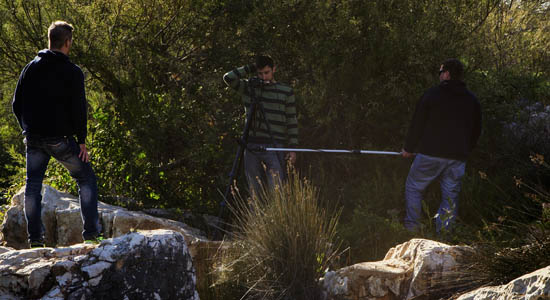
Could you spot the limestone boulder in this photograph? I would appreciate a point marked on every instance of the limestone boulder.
(535, 285)
(417, 269)
(140, 265)
(63, 227)
(63, 223)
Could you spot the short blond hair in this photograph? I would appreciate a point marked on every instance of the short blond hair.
(58, 33)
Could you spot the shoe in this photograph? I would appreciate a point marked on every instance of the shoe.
(37, 244)
(95, 240)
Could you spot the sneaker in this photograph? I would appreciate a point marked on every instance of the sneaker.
(95, 240)
(37, 244)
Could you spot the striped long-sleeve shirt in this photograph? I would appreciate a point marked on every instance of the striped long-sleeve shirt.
(278, 103)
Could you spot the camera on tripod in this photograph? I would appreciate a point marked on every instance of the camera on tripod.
(256, 82)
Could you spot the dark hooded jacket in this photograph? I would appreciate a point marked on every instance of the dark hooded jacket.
(446, 123)
(49, 99)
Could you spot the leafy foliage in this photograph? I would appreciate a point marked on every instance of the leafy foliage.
(161, 122)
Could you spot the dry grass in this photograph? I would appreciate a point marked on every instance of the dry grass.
(283, 242)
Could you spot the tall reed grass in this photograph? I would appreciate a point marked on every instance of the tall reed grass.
(284, 239)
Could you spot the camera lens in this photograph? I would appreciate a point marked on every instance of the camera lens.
(255, 82)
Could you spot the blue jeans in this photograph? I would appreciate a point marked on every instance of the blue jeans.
(263, 168)
(64, 150)
(424, 170)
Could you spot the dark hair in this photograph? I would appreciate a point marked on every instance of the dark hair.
(58, 33)
(455, 68)
(262, 61)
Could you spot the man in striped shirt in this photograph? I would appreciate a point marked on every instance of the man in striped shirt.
(277, 128)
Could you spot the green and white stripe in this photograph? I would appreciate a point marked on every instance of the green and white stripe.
(279, 106)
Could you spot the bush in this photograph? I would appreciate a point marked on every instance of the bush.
(518, 242)
(370, 235)
(374, 223)
(284, 241)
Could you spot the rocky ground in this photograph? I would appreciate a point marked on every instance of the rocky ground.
(147, 257)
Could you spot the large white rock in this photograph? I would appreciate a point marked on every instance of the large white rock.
(535, 285)
(63, 223)
(417, 268)
(140, 265)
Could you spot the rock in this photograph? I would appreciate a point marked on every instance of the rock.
(206, 223)
(61, 218)
(418, 268)
(535, 285)
(140, 265)
(5, 249)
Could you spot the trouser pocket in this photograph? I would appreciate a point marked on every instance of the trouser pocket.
(60, 148)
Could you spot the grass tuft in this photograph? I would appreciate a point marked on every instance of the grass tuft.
(284, 240)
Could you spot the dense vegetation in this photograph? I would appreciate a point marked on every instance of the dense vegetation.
(162, 123)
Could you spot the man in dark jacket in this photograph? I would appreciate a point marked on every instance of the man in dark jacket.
(445, 128)
(50, 106)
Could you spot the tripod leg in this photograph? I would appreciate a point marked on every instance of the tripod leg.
(251, 115)
(254, 171)
(234, 170)
(281, 161)
(276, 166)
(232, 178)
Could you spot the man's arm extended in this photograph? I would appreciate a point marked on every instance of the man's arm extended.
(236, 79)
(291, 121)
(417, 126)
(291, 125)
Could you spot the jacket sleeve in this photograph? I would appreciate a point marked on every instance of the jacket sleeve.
(417, 125)
(236, 79)
(78, 107)
(17, 103)
(291, 121)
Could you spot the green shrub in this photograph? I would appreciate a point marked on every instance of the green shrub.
(370, 235)
(284, 241)
(518, 241)
(373, 225)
